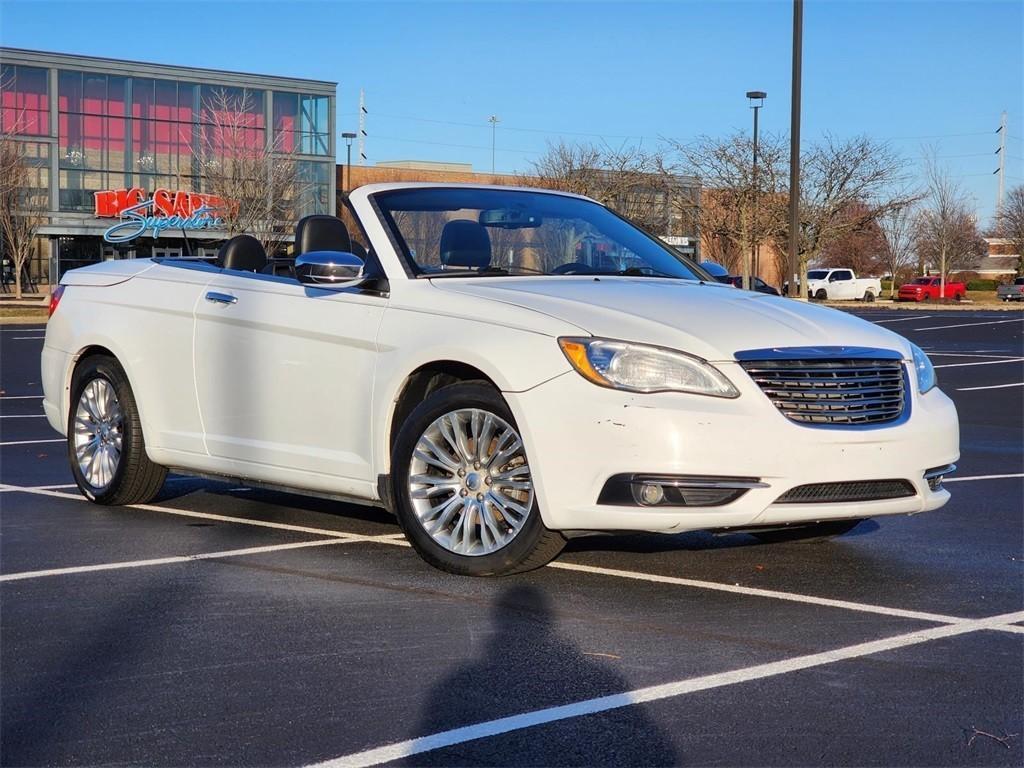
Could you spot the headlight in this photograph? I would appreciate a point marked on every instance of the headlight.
(642, 368)
(926, 378)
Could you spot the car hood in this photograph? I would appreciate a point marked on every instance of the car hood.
(711, 321)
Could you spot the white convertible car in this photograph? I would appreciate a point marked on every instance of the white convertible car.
(502, 368)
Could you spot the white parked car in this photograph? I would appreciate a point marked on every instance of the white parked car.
(841, 285)
(502, 368)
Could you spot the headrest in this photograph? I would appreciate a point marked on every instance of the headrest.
(242, 252)
(321, 233)
(465, 243)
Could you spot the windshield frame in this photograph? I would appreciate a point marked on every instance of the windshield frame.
(414, 271)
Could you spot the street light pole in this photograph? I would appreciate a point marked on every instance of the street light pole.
(493, 120)
(794, 150)
(348, 161)
(750, 267)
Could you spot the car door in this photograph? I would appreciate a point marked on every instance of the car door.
(842, 285)
(284, 376)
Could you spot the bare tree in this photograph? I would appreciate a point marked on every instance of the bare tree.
(947, 230)
(898, 241)
(1010, 223)
(22, 207)
(729, 218)
(628, 179)
(846, 186)
(258, 181)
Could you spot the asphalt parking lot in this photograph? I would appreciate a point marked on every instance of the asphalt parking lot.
(228, 626)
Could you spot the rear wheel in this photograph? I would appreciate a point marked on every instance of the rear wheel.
(807, 532)
(464, 489)
(869, 296)
(105, 443)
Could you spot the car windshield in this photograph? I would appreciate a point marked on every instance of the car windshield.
(817, 274)
(464, 231)
(923, 281)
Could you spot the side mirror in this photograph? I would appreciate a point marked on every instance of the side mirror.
(326, 268)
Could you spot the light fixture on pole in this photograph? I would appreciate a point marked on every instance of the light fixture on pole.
(751, 267)
(493, 120)
(347, 136)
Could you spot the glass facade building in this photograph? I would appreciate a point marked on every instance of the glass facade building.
(89, 125)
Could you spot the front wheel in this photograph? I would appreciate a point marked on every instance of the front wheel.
(821, 294)
(463, 486)
(105, 443)
(807, 532)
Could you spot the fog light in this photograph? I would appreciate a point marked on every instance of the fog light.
(651, 494)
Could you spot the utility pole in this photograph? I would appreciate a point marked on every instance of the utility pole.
(493, 120)
(362, 127)
(1002, 162)
(794, 151)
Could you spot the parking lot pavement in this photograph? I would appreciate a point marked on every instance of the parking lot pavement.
(233, 626)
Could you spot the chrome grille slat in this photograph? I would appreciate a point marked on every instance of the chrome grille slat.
(839, 392)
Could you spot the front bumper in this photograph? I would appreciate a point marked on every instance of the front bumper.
(578, 435)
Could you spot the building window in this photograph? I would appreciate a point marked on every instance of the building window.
(301, 123)
(24, 100)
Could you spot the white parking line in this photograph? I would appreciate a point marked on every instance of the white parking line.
(756, 592)
(984, 362)
(902, 319)
(979, 477)
(34, 442)
(398, 539)
(24, 488)
(200, 515)
(992, 386)
(25, 416)
(27, 338)
(410, 747)
(169, 560)
(961, 354)
(21, 397)
(968, 325)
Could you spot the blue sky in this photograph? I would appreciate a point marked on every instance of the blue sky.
(921, 74)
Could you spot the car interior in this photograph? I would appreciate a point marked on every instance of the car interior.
(320, 232)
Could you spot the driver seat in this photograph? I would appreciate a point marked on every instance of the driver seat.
(465, 243)
(321, 232)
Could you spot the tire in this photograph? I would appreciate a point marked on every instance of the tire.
(869, 296)
(116, 471)
(513, 542)
(809, 532)
(821, 294)
(958, 297)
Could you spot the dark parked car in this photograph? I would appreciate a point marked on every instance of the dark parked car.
(757, 284)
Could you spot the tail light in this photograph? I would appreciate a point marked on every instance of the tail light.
(55, 300)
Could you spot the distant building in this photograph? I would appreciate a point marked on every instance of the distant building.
(1002, 260)
(105, 134)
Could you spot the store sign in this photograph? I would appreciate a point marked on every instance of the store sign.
(139, 213)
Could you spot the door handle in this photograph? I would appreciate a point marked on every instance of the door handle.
(221, 298)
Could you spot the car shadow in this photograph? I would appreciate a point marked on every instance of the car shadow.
(527, 665)
(691, 541)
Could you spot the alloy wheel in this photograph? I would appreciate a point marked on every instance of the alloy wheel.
(98, 433)
(470, 483)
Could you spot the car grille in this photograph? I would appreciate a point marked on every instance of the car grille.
(832, 392)
(862, 490)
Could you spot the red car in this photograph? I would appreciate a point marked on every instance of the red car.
(928, 288)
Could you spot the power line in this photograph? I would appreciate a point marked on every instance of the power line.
(460, 146)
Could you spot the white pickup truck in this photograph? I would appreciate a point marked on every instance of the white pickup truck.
(841, 284)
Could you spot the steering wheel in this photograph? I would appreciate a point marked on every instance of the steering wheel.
(573, 268)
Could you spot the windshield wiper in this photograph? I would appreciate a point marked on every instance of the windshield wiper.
(638, 272)
(490, 271)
